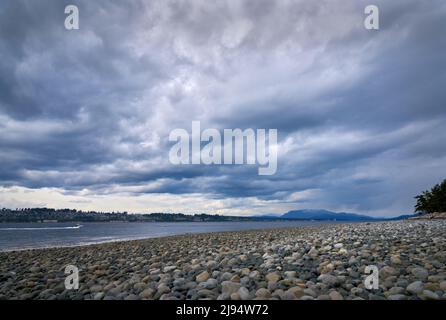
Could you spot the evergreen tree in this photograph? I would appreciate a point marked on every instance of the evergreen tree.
(433, 200)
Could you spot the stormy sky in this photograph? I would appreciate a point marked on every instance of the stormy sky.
(85, 115)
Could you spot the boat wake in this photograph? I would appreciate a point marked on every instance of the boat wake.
(42, 228)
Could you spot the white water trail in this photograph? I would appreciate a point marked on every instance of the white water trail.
(43, 228)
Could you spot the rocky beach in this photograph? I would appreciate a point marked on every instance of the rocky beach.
(325, 263)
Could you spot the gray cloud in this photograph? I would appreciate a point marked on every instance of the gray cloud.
(360, 113)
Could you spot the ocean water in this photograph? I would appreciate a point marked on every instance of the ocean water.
(19, 236)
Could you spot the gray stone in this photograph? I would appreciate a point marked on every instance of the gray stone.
(397, 297)
(310, 292)
(290, 274)
(202, 276)
(211, 283)
(140, 286)
(420, 273)
(334, 295)
(263, 293)
(163, 288)
(147, 293)
(272, 277)
(244, 293)
(395, 259)
(169, 268)
(99, 296)
(205, 293)
(96, 288)
(415, 287)
(387, 271)
(235, 296)
(429, 295)
(229, 287)
(396, 290)
(328, 279)
(313, 252)
(226, 276)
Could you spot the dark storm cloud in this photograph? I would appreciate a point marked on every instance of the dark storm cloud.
(356, 110)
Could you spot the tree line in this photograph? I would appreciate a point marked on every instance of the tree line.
(433, 200)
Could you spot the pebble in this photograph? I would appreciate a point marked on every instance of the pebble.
(387, 271)
(244, 293)
(323, 263)
(163, 288)
(211, 283)
(96, 288)
(328, 279)
(415, 287)
(272, 277)
(99, 296)
(310, 292)
(429, 295)
(147, 293)
(397, 297)
(334, 295)
(202, 276)
(313, 252)
(263, 293)
(420, 273)
(396, 290)
(229, 287)
(295, 292)
(235, 278)
(395, 259)
(169, 269)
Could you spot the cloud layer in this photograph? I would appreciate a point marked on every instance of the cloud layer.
(85, 115)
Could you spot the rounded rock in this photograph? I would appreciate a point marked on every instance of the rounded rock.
(147, 293)
(244, 293)
(420, 273)
(415, 287)
(334, 295)
(263, 293)
(272, 277)
(202, 277)
(429, 295)
(328, 279)
(229, 287)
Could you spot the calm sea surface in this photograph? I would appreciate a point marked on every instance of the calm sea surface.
(15, 236)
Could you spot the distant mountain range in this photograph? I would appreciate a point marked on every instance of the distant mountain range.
(71, 215)
(320, 214)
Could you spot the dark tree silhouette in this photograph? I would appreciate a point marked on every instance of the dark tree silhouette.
(433, 200)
